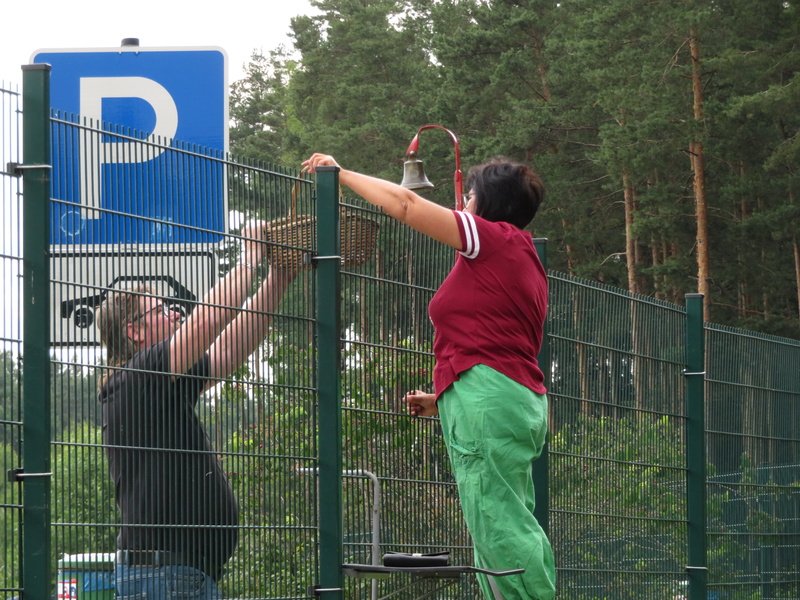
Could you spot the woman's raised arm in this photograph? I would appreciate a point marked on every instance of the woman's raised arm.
(435, 221)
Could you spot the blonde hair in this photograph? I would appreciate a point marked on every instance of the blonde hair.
(115, 313)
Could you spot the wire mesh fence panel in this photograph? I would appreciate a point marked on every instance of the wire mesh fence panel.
(753, 445)
(11, 336)
(183, 370)
(387, 353)
(185, 397)
(617, 464)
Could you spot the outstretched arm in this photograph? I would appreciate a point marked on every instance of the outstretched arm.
(219, 306)
(243, 335)
(404, 205)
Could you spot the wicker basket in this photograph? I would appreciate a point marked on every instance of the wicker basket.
(290, 238)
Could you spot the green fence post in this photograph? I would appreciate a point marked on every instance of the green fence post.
(697, 570)
(542, 464)
(329, 383)
(37, 577)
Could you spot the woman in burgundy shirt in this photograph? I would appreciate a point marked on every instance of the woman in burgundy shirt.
(488, 317)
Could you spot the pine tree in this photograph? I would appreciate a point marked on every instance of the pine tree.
(260, 115)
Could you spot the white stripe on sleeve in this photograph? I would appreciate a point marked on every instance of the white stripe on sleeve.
(472, 241)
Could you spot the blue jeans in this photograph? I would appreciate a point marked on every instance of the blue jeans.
(164, 583)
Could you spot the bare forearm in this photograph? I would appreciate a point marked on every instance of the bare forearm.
(244, 334)
(220, 305)
(395, 200)
(264, 304)
(225, 299)
(398, 202)
(214, 312)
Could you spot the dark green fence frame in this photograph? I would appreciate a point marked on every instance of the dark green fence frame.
(673, 462)
(35, 473)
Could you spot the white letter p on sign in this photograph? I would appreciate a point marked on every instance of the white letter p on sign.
(96, 152)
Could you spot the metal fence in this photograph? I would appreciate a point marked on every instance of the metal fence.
(672, 468)
(754, 457)
(11, 336)
(618, 486)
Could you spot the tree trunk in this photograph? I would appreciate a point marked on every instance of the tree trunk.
(743, 303)
(701, 208)
(677, 292)
(659, 282)
(797, 271)
(568, 249)
(540, 66)
(630, 242)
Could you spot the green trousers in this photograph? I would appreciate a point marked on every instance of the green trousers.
(494, 428)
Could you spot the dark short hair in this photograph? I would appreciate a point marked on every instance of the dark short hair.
(506, 191)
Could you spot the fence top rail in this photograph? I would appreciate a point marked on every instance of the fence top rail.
(602, 287)
(189, 149)
(754, 335)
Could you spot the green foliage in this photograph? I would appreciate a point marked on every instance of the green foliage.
(262, 127)
(74, 395)
(631, 465)
(82, 493)
(268, 439)
(82, 501)
(751, 515)
(339, 110)
(82, 511)
(617, 499)
(271, 458)
(10, 516)
(597, 97)
(617, 496)
(11, 399)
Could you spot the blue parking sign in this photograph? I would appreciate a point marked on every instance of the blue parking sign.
(156, 172)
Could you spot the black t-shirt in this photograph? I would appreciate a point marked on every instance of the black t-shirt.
(170, 487)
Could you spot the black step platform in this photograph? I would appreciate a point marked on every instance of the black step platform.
(448, 572)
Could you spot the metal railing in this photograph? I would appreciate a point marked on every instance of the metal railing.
(11, 336)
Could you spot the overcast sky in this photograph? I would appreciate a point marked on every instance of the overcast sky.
(237, 26)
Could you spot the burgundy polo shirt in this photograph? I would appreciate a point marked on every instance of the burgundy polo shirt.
(491, 307)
